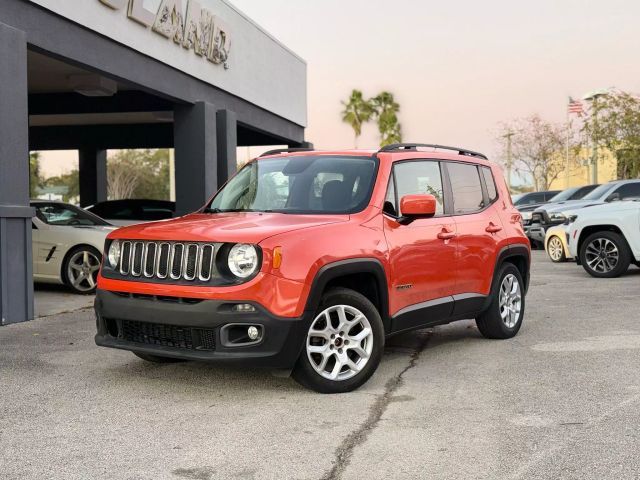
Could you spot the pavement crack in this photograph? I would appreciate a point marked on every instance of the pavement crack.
(344, 452)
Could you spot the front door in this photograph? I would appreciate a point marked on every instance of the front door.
(422, 254)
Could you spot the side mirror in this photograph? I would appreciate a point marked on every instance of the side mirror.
(614, 197)
(417, 206)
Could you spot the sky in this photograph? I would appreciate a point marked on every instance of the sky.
(457, 68)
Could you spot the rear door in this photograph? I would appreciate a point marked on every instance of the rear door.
(480, 231)
(423, 252)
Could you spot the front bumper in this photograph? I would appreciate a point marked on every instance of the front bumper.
(536, 233)
(196, 329)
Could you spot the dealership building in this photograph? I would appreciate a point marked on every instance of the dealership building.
(91, 75)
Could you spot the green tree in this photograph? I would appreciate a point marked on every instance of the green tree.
(35, 177)
(357, 111)
(138, 174)
(71, 181)
(614, 122)
(537, 149)
(386, 111)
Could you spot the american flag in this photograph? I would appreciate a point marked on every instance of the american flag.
(575, 106)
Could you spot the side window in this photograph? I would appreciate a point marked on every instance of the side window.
(420, 177)
(466, 188)
(492, 191)
(630, 190)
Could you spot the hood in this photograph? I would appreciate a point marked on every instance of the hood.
(237, 227)
(575, 204)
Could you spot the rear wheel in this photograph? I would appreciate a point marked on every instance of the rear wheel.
(503, 318)
(555, 250)
(344, 344)
(156, 358)
(605, 254)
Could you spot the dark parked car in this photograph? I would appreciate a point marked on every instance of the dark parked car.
(533, 198)
(128, 212)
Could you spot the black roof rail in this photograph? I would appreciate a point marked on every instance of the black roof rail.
(285, 150)
(414, 146)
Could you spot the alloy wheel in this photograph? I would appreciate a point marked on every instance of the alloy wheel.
(82, 271)
(602, 255)
(339, 342)
(510, 300)
(555, 249)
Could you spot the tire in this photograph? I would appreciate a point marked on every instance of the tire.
(605, 254)
(328, 342)
(555, 250)
(156, 358)
(81, 261)
(491, 322)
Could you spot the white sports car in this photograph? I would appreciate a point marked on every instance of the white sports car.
(67, 242)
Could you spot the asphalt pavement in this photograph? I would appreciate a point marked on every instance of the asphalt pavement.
(559, 401)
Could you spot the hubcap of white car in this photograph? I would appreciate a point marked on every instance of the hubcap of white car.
(83, 270)
(602, 255)
(339, 342)
(555, 248)
(510, 301)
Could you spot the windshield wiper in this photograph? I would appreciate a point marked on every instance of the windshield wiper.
(212, 210)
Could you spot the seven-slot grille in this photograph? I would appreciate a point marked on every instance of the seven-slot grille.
(168, 260)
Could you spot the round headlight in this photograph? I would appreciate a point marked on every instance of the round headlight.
(113, 255)
(243, 260)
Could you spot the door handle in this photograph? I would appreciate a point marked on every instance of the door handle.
(492, 228)
(446, 234)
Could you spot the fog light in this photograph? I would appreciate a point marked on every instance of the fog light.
(252, 333)
(243, 308)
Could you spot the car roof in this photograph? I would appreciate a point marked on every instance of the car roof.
(433, 153)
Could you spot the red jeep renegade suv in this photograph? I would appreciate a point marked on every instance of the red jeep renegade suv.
(308, 260)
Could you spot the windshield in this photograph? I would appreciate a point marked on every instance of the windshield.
(304, 184)
(63, 214)
(564, 195)
(599, 192)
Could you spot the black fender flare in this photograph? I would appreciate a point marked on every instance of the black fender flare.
(343, 268)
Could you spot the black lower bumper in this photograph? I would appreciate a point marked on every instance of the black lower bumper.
(197, 329)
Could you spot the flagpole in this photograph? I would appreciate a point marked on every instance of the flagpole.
(566, 160)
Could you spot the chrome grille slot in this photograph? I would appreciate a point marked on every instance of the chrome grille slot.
(190, 261)
(205, 262)
(150, 251)
(125, 262)
(177, 253)
(162, 265)
(138, 252)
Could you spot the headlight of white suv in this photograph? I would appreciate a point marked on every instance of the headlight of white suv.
(243, 260)
(113, 256)
(558, 217)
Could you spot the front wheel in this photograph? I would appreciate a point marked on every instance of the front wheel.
(343, 345)
(605, 254)
(80, 269)
(504, 316)
(555, 250)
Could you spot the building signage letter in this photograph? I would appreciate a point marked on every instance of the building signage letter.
(220, 42)
(139, 13)
(169, 21)
(115, 4)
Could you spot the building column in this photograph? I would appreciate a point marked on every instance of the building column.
(16, 281)
(227, 133)
(196, 155)
(92, 169)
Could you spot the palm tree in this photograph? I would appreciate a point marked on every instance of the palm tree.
(357, 111)
(386, 109)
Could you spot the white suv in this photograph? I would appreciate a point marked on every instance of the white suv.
(605, 239)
